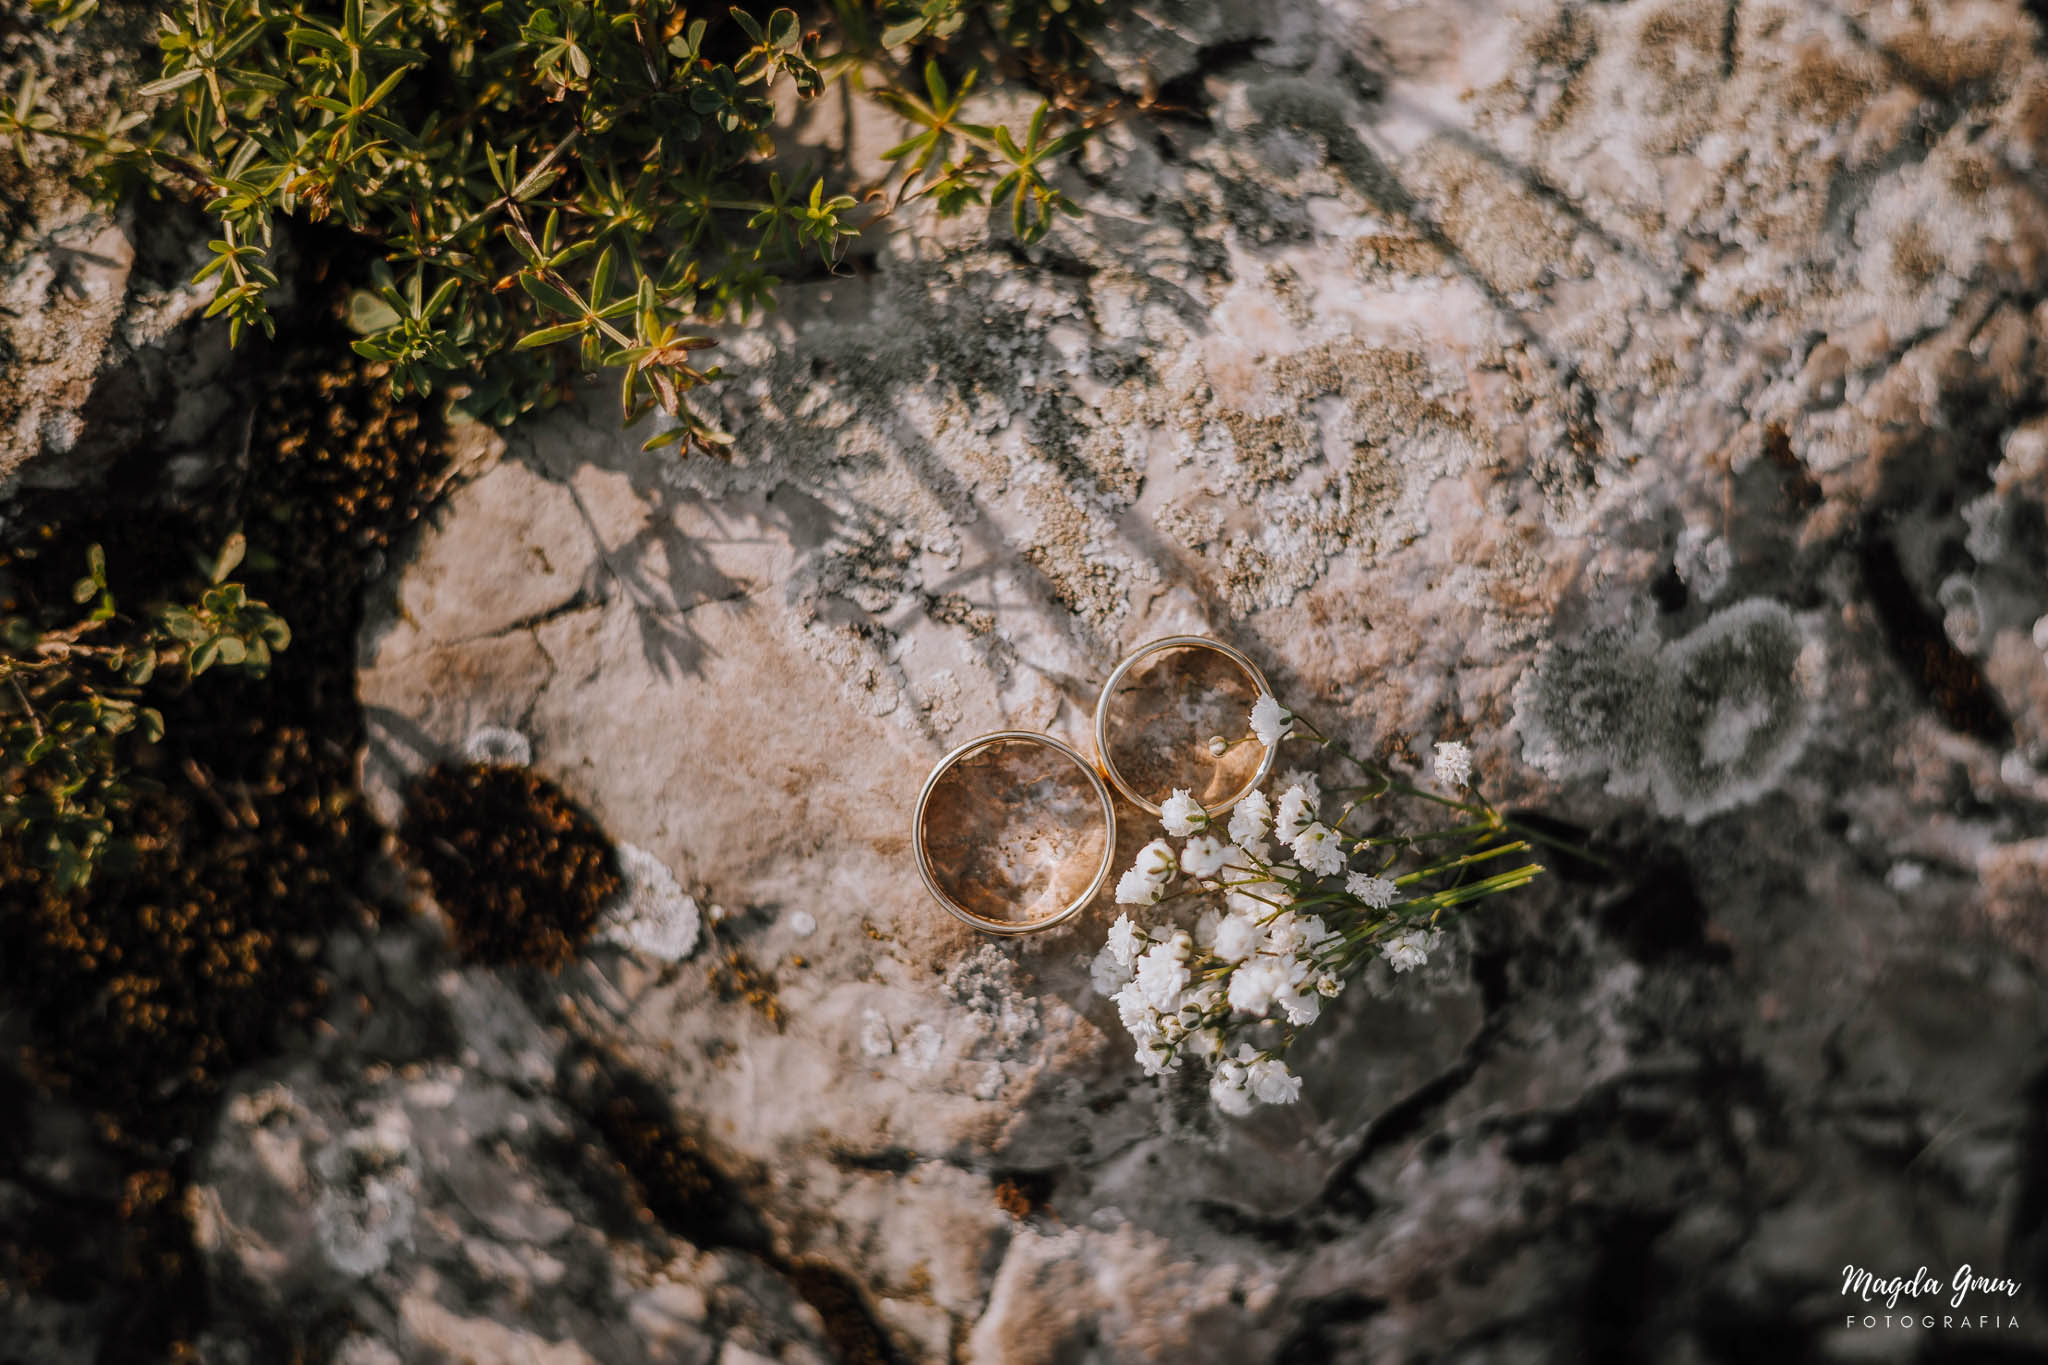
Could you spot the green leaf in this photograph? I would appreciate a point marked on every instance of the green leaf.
(548, 336)
(151, 89)
(368, 314)
(547, 295)
(203, 656)
(182, 625)
(230, 555)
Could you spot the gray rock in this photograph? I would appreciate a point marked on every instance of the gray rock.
(1452, 344)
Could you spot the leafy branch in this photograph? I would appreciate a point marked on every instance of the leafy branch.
(548, 187)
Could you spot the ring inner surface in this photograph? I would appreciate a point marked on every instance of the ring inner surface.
(1158, 723)
(1014, 831)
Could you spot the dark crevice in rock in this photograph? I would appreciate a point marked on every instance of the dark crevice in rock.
(1404, 1118)
(1661, 918)
(1279, 1233)
(1185, 98)
(1314, 1338)
(1669, 591)
(1621, 1291)
(2028, 1235)
(1731, 26)
(683, 1188)
(1948, 679)
(888, 1161)
(1024, 1193)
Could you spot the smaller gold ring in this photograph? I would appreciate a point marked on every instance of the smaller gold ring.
(1131, 661)
(929, 873)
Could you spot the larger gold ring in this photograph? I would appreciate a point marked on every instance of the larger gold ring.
(1233, 735)
(1003, 851)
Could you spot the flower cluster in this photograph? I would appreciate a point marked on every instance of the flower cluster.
(1266, 916)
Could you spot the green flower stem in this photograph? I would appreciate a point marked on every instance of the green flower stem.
(1561, 845)
(1380, 774)
(1410, 878)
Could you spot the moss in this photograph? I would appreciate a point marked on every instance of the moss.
(161, 978)
(522, 872)
(857, 1339)
(143, 991)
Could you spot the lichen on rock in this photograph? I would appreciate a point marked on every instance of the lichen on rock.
(1703, 723)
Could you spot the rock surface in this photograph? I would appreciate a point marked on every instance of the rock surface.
(1642, 393)
(1647, 395)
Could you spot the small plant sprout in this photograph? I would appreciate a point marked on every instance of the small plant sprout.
(1241, 943)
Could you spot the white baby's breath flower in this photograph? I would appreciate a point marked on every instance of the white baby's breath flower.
(1300, 1006)
(1304, 779)
(1251, 817)
(1310, 934)
(1161, 975)
(1253, 985)
(1229, 1088)
(1296, 813)
(1270, 720)
(1109, 973)
(1133, 1010)
(1410, 949)
(1280, 932)
(1198, 1002)
(1156, 1061)
(1377, 892)
(1237, 937)
(1204, 856)
(1157, 860)
(1125, 942)
(1271, 1081)
(1453, 763)
(1320, 849)
(1135, 888)
(1329, 985)
(1182, 814)
(1203, 1042)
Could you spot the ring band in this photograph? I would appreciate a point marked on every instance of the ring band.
(1132, 660)
(928, 870)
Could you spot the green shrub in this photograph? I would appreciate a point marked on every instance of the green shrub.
(74, 697)
(551, 185)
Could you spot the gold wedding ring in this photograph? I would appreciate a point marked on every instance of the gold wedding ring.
(1005, 838)
(1167, 702)
(1015, 831)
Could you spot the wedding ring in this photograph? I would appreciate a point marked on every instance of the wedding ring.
(1180, 709)
(1015, 832)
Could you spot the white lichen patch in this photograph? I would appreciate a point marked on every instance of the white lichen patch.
(652, 914)
(1704, 723)
(497, 746)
